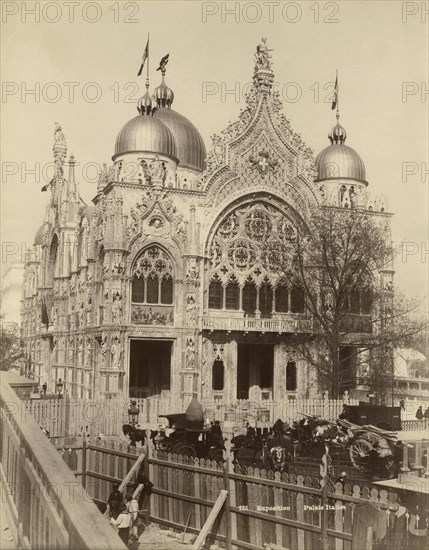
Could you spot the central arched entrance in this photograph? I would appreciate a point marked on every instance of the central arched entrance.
(150, 367)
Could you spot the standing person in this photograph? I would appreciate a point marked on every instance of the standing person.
(426, 415)
(123, 522)
(133, 413)
(216, 435)
(346, 414)
(133, 509)
(419, 413)
(115, 501)
(45, 388)
(402, 404)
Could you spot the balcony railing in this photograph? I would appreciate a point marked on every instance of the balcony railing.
(247, 324)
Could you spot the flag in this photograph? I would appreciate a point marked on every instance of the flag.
(45, 318)
(145, 56)
(163, 62)
(335, 100)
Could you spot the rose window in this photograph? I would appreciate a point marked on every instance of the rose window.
(241, 255)
(249, 251)
(258, 225)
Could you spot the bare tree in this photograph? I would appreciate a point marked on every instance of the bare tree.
(341, 259)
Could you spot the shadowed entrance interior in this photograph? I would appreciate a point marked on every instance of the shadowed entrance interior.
(255, 371)
(150, 365)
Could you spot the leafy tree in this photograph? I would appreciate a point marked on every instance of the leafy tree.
(10, 345)
(341, 260)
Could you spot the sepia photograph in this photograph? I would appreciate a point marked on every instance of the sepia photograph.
(214, 275)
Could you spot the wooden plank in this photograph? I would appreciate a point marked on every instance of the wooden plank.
(210, 520)
(127, 478)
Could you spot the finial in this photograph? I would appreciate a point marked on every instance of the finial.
(163, 64)
(163, 95)
(263, 76)
(338, 134)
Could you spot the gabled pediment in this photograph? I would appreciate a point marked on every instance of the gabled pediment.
(260, 147)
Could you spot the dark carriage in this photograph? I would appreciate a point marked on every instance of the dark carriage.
(386, 418)
(189, 438)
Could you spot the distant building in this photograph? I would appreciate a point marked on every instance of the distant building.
(162, 286)
(409, 383)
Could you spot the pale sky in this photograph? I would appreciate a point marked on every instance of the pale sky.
(379, 48)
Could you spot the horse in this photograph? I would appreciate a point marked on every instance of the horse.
(136, 434)
(279, 457)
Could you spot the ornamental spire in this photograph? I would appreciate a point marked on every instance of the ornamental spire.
(338, 134)
(263, 76)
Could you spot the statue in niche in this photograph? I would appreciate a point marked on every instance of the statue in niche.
(88, 351)
(119, 170)
(117, 308)
(190, 308)
(71, 351)
(115, 351)
(190, 353)
(103, 350)
(157, 169)
(80, 315)
(80, 352)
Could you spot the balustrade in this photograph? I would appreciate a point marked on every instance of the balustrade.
(50, 508)
(248, 324)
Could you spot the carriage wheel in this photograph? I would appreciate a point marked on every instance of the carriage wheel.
(359, 450)
(183, 449)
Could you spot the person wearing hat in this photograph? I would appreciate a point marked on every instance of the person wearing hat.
(133, 413)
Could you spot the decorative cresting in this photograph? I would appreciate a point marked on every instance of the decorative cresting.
(249, 254)
(152, 288)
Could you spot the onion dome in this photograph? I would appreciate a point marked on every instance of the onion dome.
(191, 150)
(338, 134)
(145, 134)
(194, 415)
(338, 161)
(144, 104)
(162, 94)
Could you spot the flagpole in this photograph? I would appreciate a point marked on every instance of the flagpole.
(338, 99)
(148, 57)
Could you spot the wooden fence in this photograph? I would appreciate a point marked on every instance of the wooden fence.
(47, 508)
(263, 508)
(72, 417)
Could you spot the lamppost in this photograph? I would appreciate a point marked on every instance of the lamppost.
(59, 385)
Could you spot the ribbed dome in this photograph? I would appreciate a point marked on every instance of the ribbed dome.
(146, 133)
(339, 161)
(191, 150)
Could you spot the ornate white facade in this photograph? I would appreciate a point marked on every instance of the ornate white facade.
(163, 286)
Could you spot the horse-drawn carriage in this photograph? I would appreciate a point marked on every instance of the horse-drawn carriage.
(185, 438)
(363, 447)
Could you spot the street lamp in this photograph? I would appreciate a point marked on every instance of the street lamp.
(59, 385)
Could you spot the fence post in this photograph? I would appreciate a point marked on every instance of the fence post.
(84, 460)
(231, 517)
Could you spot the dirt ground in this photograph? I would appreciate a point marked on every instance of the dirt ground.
(155, 538)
